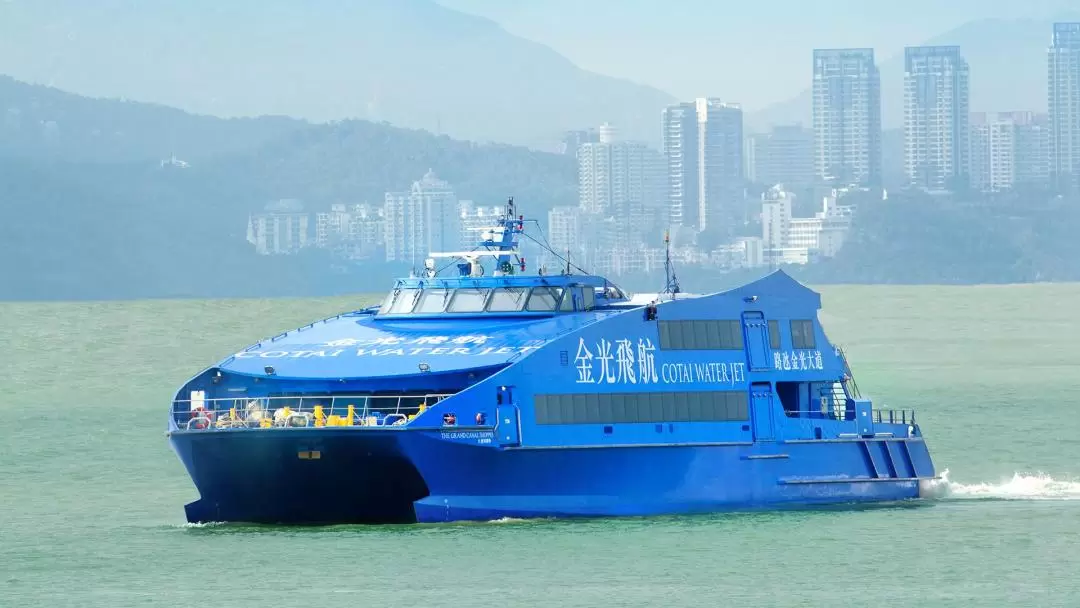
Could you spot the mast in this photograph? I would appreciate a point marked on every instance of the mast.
(671, 284)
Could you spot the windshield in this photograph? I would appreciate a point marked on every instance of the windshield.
(468, 300)
(433, 301)
(507, 299)
(404, 301)
(543, 299)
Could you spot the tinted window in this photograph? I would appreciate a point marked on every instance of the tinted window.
(802, 334)
(701, 335)
(774, 335)
(610, 408)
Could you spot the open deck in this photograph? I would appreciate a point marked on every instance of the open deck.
(299, 411)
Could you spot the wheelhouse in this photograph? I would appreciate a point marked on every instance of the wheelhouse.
(516, 296)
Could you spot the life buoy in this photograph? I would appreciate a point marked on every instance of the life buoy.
(200, 418)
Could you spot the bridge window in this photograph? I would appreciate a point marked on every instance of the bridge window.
(507, 299)
(774, 334)
(543, 299)
(432, 301)
(701, 335)
(403, 303)
(589, 295)
(802, 334)
(567, 303)
(609, 408)
(468, 300)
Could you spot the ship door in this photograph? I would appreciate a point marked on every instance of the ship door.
(756, 337)
(507, 424)
(761, 401)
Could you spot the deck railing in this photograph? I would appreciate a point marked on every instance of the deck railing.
(882, 416)
(301, 411)
(893, 416)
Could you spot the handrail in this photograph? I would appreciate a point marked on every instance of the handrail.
(301, 410)
(842, 413)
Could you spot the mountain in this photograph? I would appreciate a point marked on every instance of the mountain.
(1007, 59)
(44, 122)
(412, 63)
(91, 212)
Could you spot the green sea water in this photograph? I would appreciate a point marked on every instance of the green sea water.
(91, 496)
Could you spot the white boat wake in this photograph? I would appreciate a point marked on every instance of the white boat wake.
(1021, 486)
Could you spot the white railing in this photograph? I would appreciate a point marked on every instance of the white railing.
(301, 411)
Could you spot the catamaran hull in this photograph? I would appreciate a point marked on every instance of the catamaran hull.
(323, 476)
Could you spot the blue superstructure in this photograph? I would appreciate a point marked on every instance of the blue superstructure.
(493, 394)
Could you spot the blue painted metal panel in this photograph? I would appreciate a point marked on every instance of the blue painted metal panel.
(761, 399)
(421, 476)
(756, 338)
(507, 429)
(864, 417)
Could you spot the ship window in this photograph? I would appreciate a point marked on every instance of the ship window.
(432, 301)
(648, 408)
(507, 299)
(389, 301)
(589, 296)
(802, 334)
(701, 335)
(610, 292)
(567, 303)
(403, 304)
(774, 335)
(468, 300)
(543, 299)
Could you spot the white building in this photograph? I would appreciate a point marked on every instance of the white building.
(1007, 149)
(281, 229)
(721, 185)
(936, 117)
(564, 236)
(847, 116)
(798, 240)
(353, 232)
(1063, 102)
(473, 220)
(422, 220)
(703, 152)
(620, 179)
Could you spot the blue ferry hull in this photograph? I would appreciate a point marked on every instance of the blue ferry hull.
(406, 476)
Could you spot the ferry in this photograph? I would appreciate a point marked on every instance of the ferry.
(491, 392)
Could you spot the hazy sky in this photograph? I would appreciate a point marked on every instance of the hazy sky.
(756, 54)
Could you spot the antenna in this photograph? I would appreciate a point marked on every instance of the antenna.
(672, 282)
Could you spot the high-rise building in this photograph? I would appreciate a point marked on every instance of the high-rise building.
(564, 234)
(422, 220)
(936, 117)
(721, 185)
(784, 155)
(703, 147)
(847, 117)
(1008, 149)
(680, 137)
(571, 140)
(618, 179)
(281, 229)
(1063, 102)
